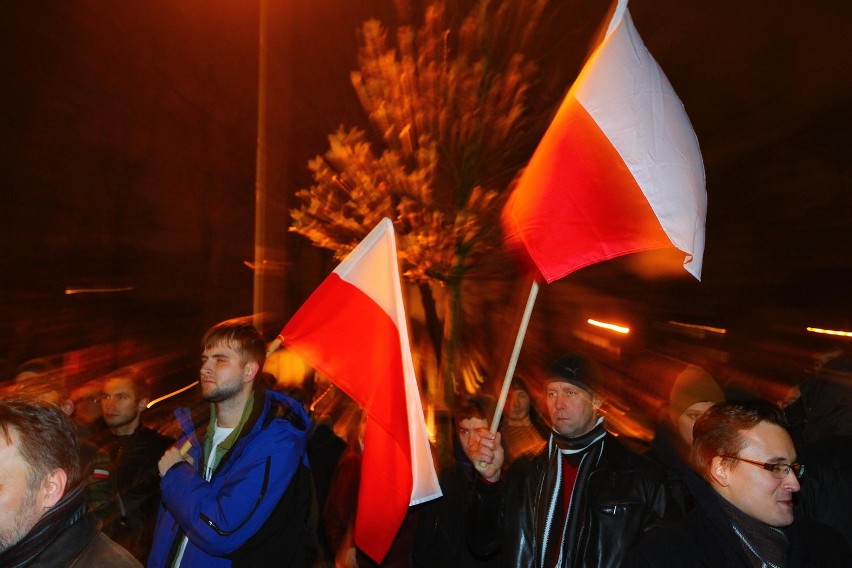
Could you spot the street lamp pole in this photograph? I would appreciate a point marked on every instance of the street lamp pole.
(260, 186)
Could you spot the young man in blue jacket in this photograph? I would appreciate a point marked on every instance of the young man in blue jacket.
(243, 495)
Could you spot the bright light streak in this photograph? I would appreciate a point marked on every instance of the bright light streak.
(171, 394)
(609, 326)
(830, 332)
(320, 397)
(719, 330)
(72, 291)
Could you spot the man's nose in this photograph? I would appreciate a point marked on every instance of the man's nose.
(791, 482)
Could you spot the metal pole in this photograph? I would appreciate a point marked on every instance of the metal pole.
(260, 187)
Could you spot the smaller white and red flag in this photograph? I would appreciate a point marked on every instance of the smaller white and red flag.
(618, 171)
(353, 330)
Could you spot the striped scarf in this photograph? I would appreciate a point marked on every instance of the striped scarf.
(560, 528)
(68, 511)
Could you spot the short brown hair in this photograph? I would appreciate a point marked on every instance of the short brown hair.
(47, 436)
(240, 336)
(718, 432)
(139, 378)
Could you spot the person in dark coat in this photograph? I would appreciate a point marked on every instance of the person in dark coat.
(43, 517)
(583, 501)
(441, 533)
(744, 514)
(692, 393)
(38, 379)
(134, 450)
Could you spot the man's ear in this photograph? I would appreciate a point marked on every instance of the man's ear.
(250, 371)
(53, 487)
(597, 402)
(143, 404)
(720, 471)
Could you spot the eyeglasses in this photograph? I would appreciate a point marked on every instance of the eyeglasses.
(778, 470)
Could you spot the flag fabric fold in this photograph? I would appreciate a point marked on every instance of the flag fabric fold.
(618, 171)
(353, 330)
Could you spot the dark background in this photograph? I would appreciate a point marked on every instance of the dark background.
(128, 161)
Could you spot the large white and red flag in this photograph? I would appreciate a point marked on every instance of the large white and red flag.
(353, 330)
(619, 169)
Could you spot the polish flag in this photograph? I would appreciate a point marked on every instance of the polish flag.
(618, 171)
(353, 330)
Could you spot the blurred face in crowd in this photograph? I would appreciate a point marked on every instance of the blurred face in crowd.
(518, 404)
(687, 419)
(573, 411)
(121, 407)
(470, 430)
(223, 373)
(21, 506)
(752, 489)
(87, 403)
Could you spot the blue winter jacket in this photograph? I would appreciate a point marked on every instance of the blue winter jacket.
(248, 487)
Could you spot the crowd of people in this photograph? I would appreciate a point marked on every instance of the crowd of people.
(260, 480)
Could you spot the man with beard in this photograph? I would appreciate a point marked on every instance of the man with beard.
(743, 515)
(43, 519)
(243, 496)
(583, 501)
(135, 451)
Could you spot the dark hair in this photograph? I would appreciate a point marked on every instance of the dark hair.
(139, 378)
(718, 432)
(468, 408)
(240, 336)
(47, 437)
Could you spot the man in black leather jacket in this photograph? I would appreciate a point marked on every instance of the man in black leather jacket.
(583, 501)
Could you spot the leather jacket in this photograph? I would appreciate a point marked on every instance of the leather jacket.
(625, 496)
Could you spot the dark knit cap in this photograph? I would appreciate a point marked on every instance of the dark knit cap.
(692, 385)
(576, 369)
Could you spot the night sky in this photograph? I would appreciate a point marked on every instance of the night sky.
(128, 161)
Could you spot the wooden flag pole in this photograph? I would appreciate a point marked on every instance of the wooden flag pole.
(276, 343)
(513, 361)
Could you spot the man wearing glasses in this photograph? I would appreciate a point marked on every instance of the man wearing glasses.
(744, 504)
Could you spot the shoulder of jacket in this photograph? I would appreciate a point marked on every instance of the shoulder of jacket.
(103, 551)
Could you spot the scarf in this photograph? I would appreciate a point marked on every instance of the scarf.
(68, 511)
(559, 527)
(765, 546)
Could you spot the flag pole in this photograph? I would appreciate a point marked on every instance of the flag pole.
(516, 351)
(272, 347)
